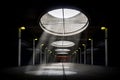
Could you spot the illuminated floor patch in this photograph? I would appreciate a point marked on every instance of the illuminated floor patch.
(50, 72)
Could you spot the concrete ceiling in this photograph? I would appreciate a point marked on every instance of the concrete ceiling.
(28, 14)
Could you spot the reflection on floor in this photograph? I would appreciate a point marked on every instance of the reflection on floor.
(61, 71)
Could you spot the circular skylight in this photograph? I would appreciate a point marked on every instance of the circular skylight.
(64, 13)
(62, 50)
(64, 22)
(62, 44)
(61, 53)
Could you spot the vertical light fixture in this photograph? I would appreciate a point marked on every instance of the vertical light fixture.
(106, 43)
(19, 45)
(45, 55)
(80, 55)
(34, 50)
(41, 53)
(84, 53)
(91, 50)
(76, 56)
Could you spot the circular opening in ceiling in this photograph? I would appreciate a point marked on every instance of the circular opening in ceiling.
(62, 49)
(62, 44)
(61, 53)
(64, 22)
(68, 13)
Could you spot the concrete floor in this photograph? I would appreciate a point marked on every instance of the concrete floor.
(61, 71)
